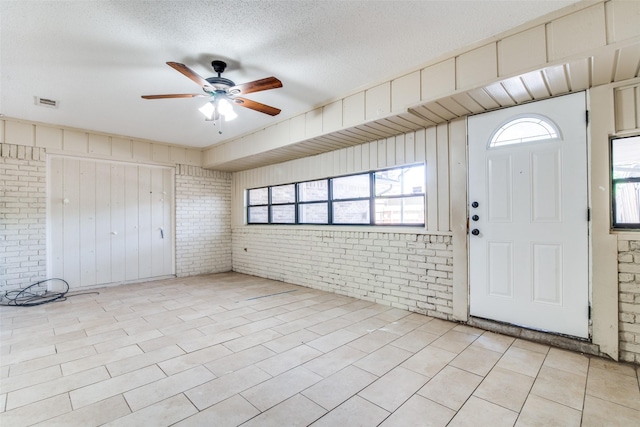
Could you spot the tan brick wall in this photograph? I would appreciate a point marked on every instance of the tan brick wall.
(22, 216)
(408, 271)
(629, 300)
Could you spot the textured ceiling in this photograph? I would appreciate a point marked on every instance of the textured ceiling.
(97, 57)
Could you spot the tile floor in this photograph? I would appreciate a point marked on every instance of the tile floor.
(230, 349)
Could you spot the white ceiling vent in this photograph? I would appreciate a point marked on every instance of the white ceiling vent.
(46, 102)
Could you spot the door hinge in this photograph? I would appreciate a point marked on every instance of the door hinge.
(589, 311)
(588, 214)
(586, 114)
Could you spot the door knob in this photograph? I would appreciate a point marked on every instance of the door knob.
(475, 217)
(475, 231)
(475, 204)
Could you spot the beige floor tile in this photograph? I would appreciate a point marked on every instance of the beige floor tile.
(96, 414)
(36, 412)
(494, 342)
(531, 346)
(289, 359)
(91, 340)
(560, 386)
(30, 354)
(50, 360)
(290, 341)
(271, 392)
(383, 360)
(297, 411)
(476, 360)
(130, 364)
(335, 360)
(477, 412)
(337, 388)
(258, 325)
(454, 341)
(567, 361)
(3, 402)
(451, 387)
(522, 361)
(415, 340)
(16, 382)
(437, 327)
(614, 387)
(419, 412)
(236, 361)
(37, 392)
(539, 412)
(166, 387)
(93, 393)
(367, 326)
(226, 325)
(251, 340)
(394, 388)
(373, 341)
(429, 361)
(226, 386)
(333, 340)
(505, 388)
(401, 327)
(331, 325)
(153, 340)
(165, 413)
(204, 341)
(190, 360)
(100, 359)
(355, 412)
(228, 413)
(609, 366)
(598, 412)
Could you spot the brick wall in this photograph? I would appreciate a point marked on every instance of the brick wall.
(203, 221)
(629, 300)
(22, 216)
(409, 271)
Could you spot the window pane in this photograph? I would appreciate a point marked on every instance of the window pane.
(400, 210)
(354, 212)
(627, 196)
(314, 213)
(351, 187)
(524, 129)
(259, 196)
(395, 182)
(625, 155)
(283, 194)
(313, 191)
(283, 214)
(258, 215)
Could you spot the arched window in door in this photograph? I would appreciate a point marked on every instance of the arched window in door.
(523, 129)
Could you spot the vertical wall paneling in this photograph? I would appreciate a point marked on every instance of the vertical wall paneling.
(409, 147)
(55, 235)
(382, 153)
(104, 221)
(626, 108)
(99, 144)
(75, 141)
(19, 133)
(575, 33)
(400, 149)
(477, 67)
(442, 140)
(378, 101)
(70, 223)
(87, 234)
(48, 137)
(438, 79)
(431, 155)
(391, 151)
(458, 201)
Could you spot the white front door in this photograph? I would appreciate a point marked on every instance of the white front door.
(528, 241)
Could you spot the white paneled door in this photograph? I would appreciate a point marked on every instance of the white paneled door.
(109, 222)
(528, 216)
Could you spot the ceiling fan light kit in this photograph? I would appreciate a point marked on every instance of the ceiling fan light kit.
(224, 92)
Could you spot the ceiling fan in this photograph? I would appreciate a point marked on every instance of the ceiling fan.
(224, 92)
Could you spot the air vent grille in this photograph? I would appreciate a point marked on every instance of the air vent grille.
(46, 102)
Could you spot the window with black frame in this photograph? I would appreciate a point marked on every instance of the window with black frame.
(394, 196)
(625, 174)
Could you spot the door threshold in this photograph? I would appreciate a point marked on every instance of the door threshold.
(576, 344)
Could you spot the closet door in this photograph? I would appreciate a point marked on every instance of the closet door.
(109, 222)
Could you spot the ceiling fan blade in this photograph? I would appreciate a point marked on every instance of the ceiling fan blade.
(189, 73)
(255, 86)
(175, 95)
(266, 109)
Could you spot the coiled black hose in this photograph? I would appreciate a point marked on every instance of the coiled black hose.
(38, 294)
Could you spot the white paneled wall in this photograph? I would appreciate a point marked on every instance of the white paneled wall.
(429, 146)
(627, 108)
(109, 222)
